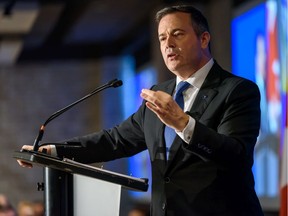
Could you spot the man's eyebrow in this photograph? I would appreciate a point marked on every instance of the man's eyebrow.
(178, 29)
(173, 31)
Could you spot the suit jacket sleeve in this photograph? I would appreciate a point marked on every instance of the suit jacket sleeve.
(227, 130)
(120, 141)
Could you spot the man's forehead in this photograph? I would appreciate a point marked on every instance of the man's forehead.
(178, 20)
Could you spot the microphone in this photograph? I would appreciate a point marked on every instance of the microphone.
(113, 83)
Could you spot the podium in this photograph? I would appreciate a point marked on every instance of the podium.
(75, 189)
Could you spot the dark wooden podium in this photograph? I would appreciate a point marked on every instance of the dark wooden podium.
(59, 183)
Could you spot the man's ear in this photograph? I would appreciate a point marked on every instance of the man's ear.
(205, 39)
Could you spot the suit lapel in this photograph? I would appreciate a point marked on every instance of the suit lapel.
(206, 93)
(201, 102)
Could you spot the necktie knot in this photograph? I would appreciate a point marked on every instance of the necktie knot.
(182, 86)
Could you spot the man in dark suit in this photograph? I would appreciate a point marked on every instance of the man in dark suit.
(207, 168)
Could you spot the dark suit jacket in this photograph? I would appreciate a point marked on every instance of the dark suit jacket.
(210, 176)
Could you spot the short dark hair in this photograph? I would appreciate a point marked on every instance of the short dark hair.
(199, 22)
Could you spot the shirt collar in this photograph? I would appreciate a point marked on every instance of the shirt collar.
(199, 76)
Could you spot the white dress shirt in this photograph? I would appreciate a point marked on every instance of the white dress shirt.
(189, 95)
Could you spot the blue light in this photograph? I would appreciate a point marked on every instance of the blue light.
(250, 49)
(139, 165)
(245, 29)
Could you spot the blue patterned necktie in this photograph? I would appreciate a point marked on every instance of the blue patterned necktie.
(170, 133)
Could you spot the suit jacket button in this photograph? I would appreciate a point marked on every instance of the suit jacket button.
(163, 206)
(167, 180)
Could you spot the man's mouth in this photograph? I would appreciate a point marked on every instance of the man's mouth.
(171, 56)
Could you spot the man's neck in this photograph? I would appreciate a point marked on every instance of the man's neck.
(186, 75)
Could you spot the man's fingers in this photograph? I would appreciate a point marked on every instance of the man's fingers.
(152, 107)
(147, 95)
(24, 164)
(156, 98)
(27, 147)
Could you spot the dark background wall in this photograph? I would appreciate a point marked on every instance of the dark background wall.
(30, 93)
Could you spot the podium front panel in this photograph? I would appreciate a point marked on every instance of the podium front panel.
(95, 197)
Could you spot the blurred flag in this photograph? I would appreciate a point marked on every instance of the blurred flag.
(284, 179)
(283, 33)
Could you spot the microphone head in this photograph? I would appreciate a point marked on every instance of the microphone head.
(116, 83)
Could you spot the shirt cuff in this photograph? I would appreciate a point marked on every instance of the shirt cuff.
(187, 133)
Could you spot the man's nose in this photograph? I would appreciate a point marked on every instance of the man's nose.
(170, 43)
(169, 48)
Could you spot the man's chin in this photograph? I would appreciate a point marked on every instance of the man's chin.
(174, 68)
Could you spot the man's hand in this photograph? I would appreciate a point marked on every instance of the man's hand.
(167, 110)
(30, 148)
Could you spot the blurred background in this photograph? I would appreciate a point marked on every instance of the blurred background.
(52, 52)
